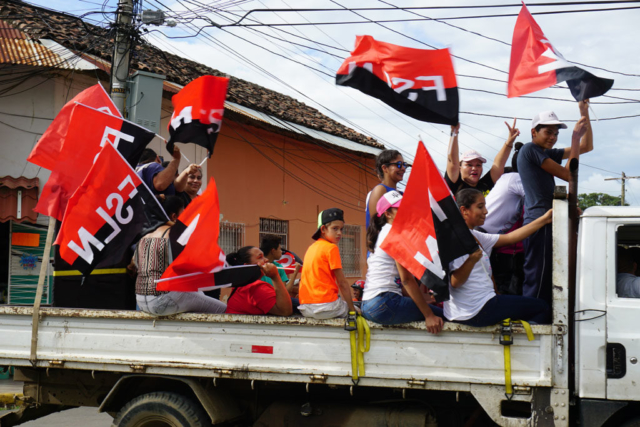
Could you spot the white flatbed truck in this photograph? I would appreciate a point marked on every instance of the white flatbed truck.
(201, 369)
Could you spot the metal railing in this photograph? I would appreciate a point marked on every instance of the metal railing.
(231, 236)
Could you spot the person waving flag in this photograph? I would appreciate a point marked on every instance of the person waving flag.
(428, 231)
(417, 82)
(536, 64)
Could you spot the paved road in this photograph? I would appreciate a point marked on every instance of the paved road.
(78, 417)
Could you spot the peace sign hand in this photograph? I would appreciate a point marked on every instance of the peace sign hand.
(513, 132)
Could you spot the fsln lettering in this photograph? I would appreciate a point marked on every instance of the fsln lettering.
(434, 266)
(84, 250)
(185, 116)
(405, 84)
(118, 136)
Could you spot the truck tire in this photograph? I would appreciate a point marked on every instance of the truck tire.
(161, 409)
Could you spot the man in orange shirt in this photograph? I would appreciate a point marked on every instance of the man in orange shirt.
(324, 291)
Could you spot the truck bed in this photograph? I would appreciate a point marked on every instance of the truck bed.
(292, 349)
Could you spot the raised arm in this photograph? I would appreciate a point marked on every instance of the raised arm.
(453, 155)
(433, 322)
(574, 151)
(343, 285)
(180, 183)
(586, 141)
(497, 169)
(163, 179)
(525, 231)
(283, 306)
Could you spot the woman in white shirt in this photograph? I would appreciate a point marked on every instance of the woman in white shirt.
(382, 300)
(473, 298)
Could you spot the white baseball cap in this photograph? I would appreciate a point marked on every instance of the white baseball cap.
(547, 118)
(467, 156)
(390, 199)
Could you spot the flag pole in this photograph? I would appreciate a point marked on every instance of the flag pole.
(165, 142)
(593, 112)
(35, 321)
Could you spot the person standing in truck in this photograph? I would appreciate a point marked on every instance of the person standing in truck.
(473, 299)
(324, 291)
(539, 164)
(466, 171)
(390, 168)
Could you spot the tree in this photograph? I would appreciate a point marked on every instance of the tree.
(598, 199)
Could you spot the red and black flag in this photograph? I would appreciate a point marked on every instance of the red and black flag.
(89, 130)
(47, 150)
(109, 212)
(419, 83)
(197, 112)
(428, 231)
(194, 245)
(536, 64)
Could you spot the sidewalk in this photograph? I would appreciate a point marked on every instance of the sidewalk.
(8, 390)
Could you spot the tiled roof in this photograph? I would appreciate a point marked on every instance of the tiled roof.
(18, 206)
(70, 32)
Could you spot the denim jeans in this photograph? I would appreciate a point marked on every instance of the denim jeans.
(179, 302)
(389, 308)
(512, 307)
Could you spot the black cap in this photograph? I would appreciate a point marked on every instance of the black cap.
(325, 217)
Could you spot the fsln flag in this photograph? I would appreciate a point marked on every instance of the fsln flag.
(536, 64)
(46, 151)
(197, 112)
(194, 246)
(428, 231)
(89, 131)
(417, 82)
(109, 212)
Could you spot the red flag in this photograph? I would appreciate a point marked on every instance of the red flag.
(196, 230)
(111, 210)
(89, 130)
(417, 82)
(47, 150)
(536, 64)
(428, 231)
(197, 112)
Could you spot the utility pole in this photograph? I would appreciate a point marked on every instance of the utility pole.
(121, 53)
(623, 178)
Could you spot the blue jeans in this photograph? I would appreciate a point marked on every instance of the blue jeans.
(537, 264)
(512, 307)
(390, 308)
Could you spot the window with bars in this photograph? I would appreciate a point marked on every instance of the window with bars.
(279, 227)
(231, 236)
(350, 251)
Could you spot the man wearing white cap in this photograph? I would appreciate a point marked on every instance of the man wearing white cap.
(466, 171)
(538, 165)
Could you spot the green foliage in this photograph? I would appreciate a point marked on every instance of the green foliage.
(598, 199)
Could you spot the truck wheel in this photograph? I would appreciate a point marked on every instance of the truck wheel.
(161, 409)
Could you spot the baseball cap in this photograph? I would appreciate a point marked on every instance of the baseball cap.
(472, 155)
(547, 118)
(388, 200)
(325, 217)
(358, 284)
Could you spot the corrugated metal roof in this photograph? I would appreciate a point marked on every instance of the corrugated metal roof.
(8, 32)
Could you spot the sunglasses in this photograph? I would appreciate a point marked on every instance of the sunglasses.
(399, 164)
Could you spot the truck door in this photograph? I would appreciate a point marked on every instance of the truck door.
(623, 315)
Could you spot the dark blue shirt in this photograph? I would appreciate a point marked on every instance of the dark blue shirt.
(538, 184)
(146, 173)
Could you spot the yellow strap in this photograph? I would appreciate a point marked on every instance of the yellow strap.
(360, 340)
(507, 354)
(61, 273)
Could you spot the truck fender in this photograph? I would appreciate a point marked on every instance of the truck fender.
(219, 406)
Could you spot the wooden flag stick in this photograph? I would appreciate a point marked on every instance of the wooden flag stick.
(35, 321)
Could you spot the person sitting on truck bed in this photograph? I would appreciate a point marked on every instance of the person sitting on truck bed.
(390, 168)
(538, 164)
(382, 301)
(627, 283)
(323, 280)
(258, 297)
(152, 258)
(272, 249)
(473, 300)
(466, 171)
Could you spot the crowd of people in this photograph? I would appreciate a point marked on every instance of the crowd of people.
(507, 210)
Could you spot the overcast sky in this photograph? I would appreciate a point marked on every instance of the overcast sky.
(602, 39)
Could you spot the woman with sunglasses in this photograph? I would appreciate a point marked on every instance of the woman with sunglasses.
(390, 168)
